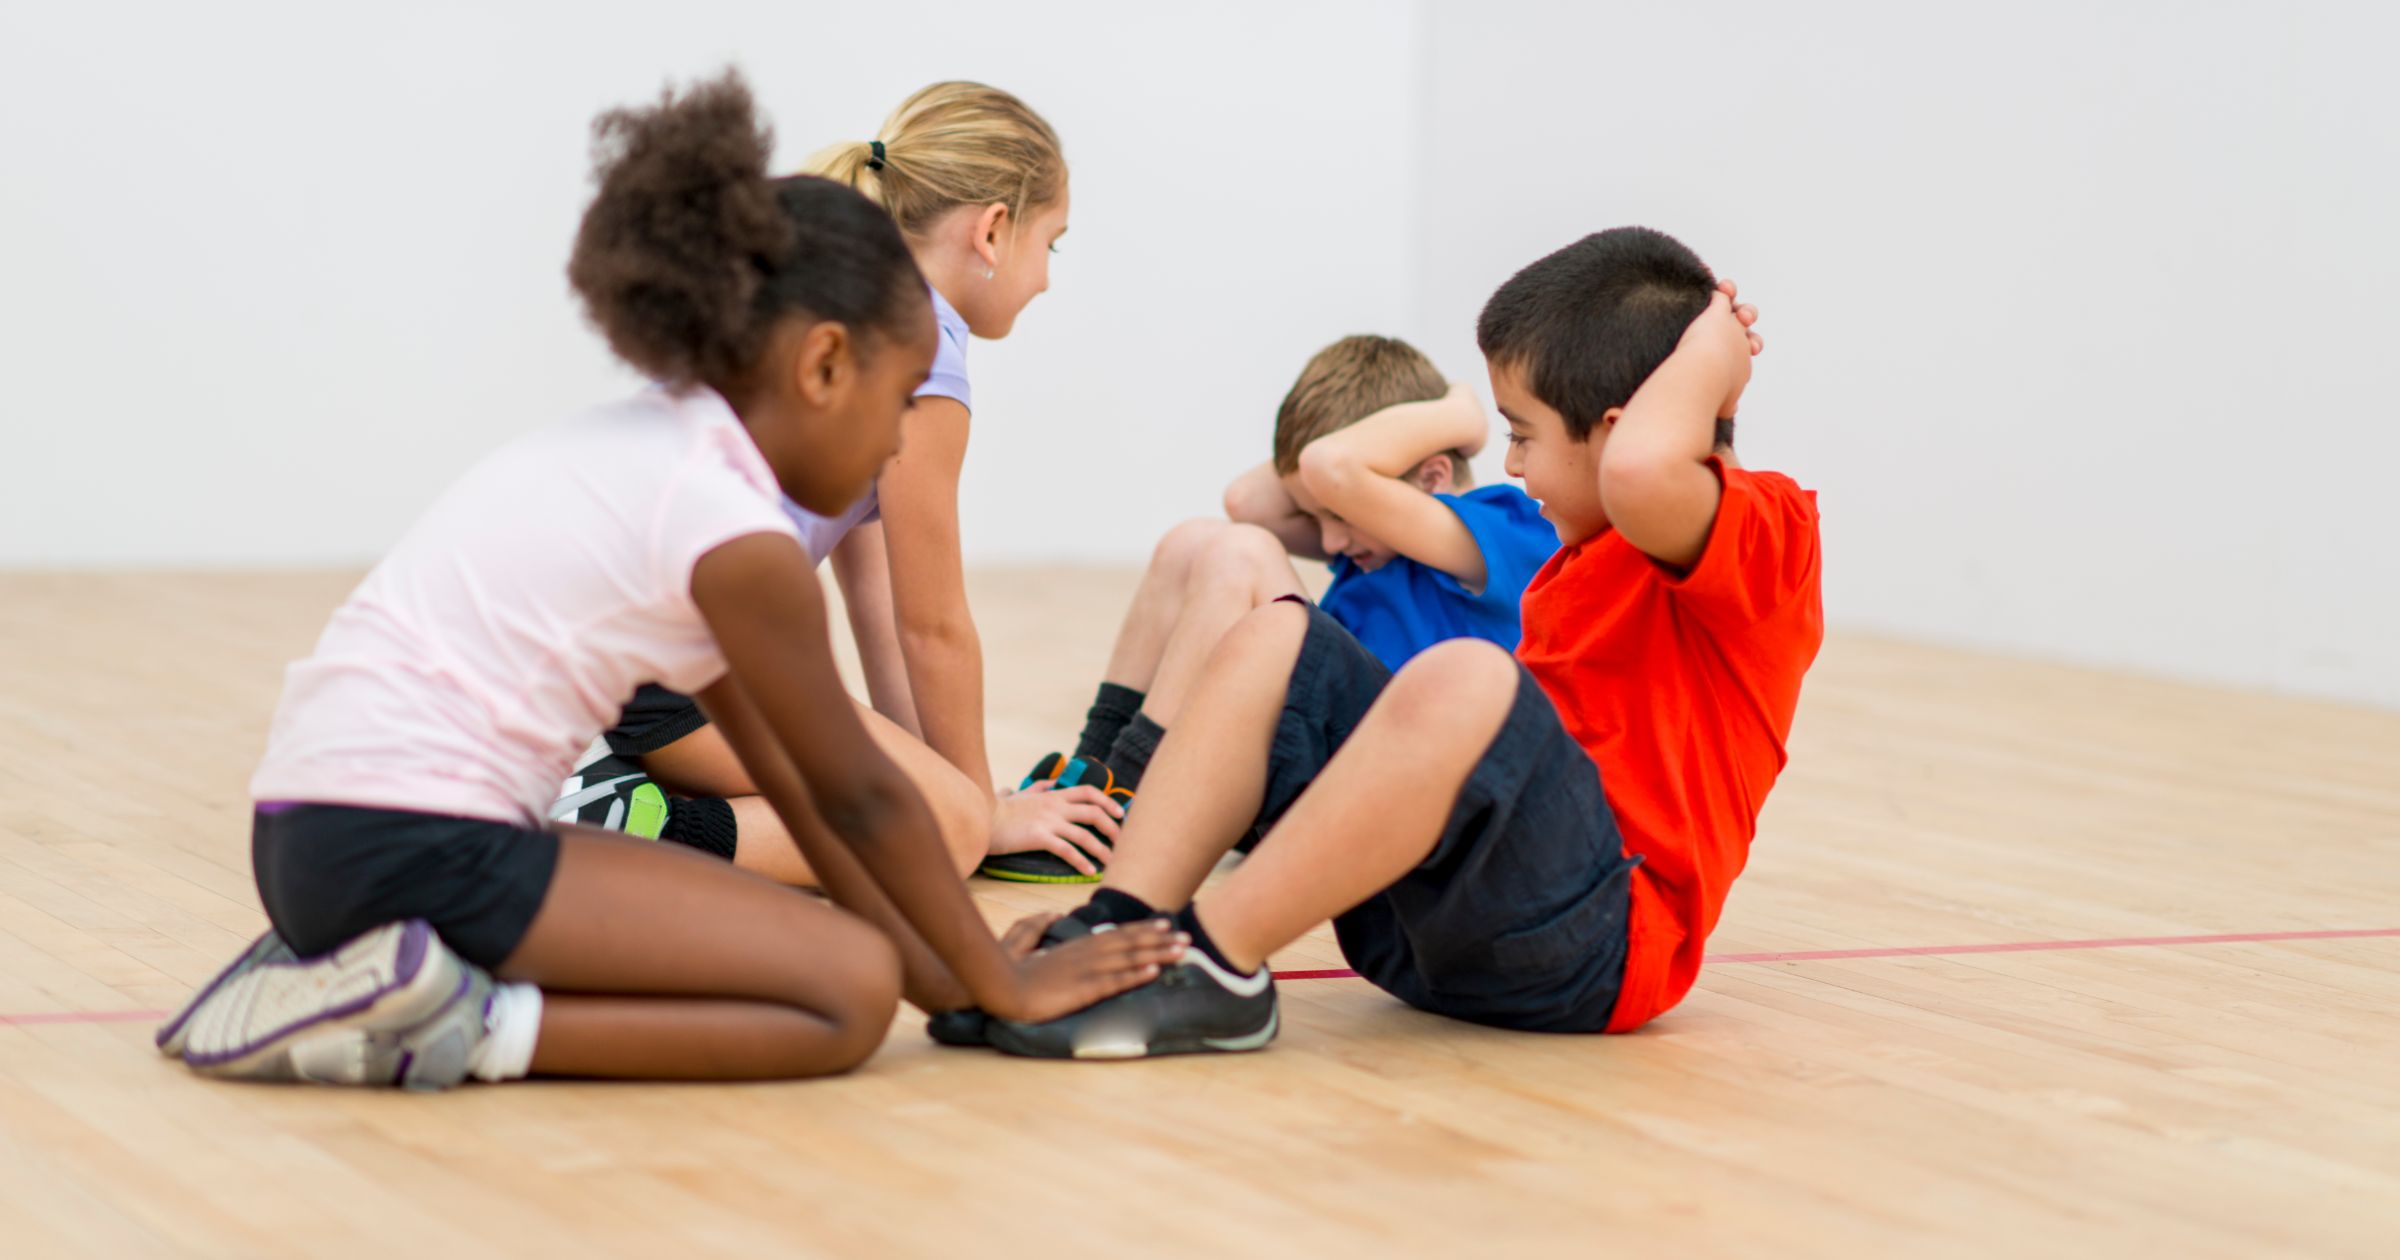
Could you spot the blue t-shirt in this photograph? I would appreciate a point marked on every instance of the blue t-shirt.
(1406, 607)
(948, 379)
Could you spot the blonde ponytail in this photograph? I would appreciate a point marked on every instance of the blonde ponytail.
(953, 144)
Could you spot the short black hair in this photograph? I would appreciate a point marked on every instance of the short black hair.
(1588, 324)
(689, 253)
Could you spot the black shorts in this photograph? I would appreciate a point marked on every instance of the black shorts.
(653, 719)
(330, 872)
(1518, 916)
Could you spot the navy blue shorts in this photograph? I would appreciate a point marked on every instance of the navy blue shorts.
(1518, 916)
(327, 873)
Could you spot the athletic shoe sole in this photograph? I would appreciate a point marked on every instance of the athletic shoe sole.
(1107, 1051)
(268, 948)
(398, 974)
(1033, 868)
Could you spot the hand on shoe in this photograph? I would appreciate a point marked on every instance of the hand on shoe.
(1066, 978)
(1057, 821)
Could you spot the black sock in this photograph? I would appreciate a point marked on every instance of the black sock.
(1129, 757)
(704, 823)
(1110, 711)
(1111, 906)
(1187, 921)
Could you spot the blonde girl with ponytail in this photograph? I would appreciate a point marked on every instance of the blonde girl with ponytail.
(977, 183)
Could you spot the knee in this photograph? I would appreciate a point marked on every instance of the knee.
(963, 815)
(1240, 557)
(866, 994)
(1461, 682)
(1185, 543)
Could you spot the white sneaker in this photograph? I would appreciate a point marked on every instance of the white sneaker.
(392, 1007)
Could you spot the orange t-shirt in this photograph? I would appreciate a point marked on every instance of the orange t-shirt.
(1682, 689)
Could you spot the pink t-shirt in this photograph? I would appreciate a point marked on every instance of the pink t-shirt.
(513, 621)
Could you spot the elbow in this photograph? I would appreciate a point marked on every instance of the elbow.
(944, 632)
(1327, 470)
(1626, 484)
(1238, 505)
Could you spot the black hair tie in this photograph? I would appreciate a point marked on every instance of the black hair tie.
(874, 155)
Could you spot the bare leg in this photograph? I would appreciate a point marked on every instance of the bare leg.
(703, 764)
(658, 963)
(1376, 809)
(1158, 604)
(1243, 568)
(1205, 786)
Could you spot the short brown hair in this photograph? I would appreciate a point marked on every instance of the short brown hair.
(1345, 383)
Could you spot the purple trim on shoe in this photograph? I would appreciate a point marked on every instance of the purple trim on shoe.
(412, 953)
(408, 1059)
(413, 943)
(167, 1031)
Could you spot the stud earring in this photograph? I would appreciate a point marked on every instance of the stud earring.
(987, 273)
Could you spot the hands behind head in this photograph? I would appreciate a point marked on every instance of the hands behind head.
(1723, 334)
(1066, 978)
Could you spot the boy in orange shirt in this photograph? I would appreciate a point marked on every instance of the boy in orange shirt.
(1541, 842)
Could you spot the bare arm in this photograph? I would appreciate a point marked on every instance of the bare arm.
(1355, 472)
(863, 568)
(863, 828)
(1257, 497)
(939, 645)
(1655, 482)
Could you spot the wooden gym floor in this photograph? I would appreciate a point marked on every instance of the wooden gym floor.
(2194, 1053)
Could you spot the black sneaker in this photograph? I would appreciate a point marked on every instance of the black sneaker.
(1035, 866)
(1194, 1007)
(611, 792)
(965, 1027)
(969, 1026)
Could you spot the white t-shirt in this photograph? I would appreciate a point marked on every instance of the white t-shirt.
(513, 621)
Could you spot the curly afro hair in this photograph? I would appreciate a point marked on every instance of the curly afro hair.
(689, 253)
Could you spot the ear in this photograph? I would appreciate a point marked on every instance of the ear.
(824, 363)
(990, 227)
(1432, 475)
(1608, 422)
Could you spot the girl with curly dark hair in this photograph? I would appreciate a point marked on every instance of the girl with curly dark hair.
(429, 924)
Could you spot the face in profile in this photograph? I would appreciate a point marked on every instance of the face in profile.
(1021, 274)
(1559, 472)
(855, 427)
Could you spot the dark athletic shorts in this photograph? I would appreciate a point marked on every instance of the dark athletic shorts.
(330, 872)
(1518, 916)
(653, 719)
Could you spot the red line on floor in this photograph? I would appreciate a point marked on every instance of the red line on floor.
(2022, 947)
(1797, 955)
(82, 1017)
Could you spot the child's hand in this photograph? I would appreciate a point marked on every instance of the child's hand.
(1720, 339)
(1067, 978)
(1744, 312)
(1058, 822)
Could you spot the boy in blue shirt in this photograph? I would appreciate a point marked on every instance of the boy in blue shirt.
(1370, 475)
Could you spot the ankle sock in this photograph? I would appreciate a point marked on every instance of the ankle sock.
(1108, 905)
(705, 823)
(1129, 757)
(512, 1019)
(1187, 921)
(1111, 709)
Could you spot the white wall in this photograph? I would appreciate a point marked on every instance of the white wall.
(274, 274)
(2079, 316)
(2076, 313)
